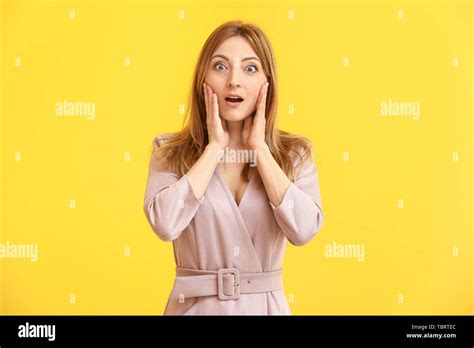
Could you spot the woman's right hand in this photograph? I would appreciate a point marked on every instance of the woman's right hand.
(216, 126)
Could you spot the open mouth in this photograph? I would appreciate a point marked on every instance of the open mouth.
(233, 101)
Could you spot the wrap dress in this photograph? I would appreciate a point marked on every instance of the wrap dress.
(214, 232)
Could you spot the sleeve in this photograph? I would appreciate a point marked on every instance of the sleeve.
(300, 214)
(170, 203)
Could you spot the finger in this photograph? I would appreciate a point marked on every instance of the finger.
(224, 124)
(260, 94)
(205, 95)
(260, 120)
(210, 97)
(248, 122)
(209, 102)
(215, 107)
(262, 98)
(210, 115)
(206, 102)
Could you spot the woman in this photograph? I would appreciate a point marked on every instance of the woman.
(230, 220)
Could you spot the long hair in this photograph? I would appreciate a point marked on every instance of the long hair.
(183, 149)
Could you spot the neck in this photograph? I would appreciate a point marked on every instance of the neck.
(235, 134)
(235, 142)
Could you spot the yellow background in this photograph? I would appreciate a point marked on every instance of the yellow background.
(102, 257)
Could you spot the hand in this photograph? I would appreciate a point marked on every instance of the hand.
(253, 132)
(216, 126)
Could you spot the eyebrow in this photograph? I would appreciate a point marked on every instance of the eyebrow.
(243, 60)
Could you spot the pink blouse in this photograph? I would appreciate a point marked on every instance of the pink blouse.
(214, 232)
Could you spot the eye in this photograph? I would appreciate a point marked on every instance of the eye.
(252, 66)
(218, 64)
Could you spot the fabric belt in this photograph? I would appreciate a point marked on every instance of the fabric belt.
(226, 283)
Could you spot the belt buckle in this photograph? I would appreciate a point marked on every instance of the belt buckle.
(220, 283)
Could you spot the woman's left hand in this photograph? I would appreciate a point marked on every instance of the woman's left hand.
(253, 132)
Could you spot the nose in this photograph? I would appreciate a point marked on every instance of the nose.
(234, 79)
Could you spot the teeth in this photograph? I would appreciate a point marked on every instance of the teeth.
(234, 99)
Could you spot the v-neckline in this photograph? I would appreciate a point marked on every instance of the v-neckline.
(227, 189)
(253, 259)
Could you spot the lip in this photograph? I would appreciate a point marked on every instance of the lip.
(233, 104)
(234, 95)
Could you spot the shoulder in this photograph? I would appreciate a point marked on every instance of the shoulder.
(161, 139)
(296, 146)
(158, 159)
(301, 154)
(302, 157)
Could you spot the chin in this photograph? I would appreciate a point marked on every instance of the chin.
(234, 116)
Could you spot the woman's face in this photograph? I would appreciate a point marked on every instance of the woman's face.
(234, 68)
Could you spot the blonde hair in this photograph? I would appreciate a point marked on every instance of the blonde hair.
(183, 149)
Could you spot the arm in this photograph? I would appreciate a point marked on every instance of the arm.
(274, 179)
(171, 202)
(296, 206)
(201, 172)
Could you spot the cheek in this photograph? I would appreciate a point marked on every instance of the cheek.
(216, 83)
(254, 97)
(211, 78)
